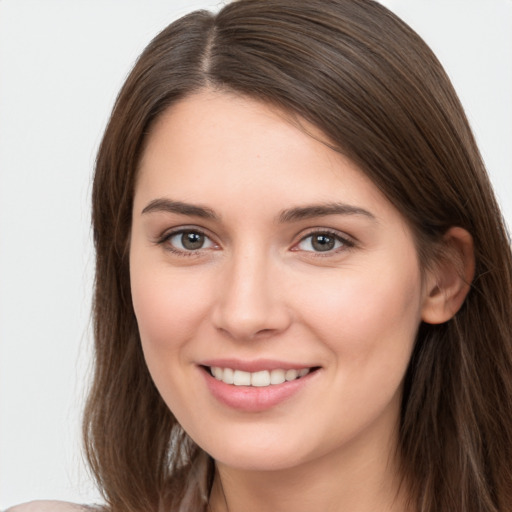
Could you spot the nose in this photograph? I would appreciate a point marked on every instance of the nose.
(251, 298)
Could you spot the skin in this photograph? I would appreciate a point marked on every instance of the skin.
(259, 289)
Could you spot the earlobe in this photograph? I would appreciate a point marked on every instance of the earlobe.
(449, 283)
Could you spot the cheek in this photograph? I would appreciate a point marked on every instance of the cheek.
(169, 312)
(369, 324)
(366, 316)
(168, 308)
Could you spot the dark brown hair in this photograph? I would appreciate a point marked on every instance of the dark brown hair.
(377, 92)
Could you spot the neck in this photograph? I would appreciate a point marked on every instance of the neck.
(359, 478)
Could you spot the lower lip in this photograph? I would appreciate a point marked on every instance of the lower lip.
(253, 398)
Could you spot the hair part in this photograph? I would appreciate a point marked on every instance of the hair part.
(377, 92)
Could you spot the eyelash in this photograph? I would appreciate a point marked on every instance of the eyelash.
(345, 242)
(180, 252)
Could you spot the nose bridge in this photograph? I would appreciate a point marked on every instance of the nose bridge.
(249, 303)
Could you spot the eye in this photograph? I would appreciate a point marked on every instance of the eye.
(323, 241)
(188, 240)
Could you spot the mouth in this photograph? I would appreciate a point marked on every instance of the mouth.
(260, 379)
(256, 386)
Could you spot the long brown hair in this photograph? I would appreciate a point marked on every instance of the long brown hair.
(374, 88)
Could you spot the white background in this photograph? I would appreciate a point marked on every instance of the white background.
(61, 65)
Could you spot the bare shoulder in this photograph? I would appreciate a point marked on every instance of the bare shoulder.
(49, 506)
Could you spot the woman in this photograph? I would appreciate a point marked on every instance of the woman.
(303, 291)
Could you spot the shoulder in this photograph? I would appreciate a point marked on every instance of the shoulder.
(50, 506)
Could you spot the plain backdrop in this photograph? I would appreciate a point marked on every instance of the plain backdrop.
(61, 65)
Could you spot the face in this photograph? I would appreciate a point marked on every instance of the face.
(277, 291)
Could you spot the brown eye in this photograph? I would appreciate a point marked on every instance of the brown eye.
(189, 240)
(322, 242)
(192, 240)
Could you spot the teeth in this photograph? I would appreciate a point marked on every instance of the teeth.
(241, 378)
(260, 379)
(277, 376)
(227, 375)
(291, 374)
(257, 379)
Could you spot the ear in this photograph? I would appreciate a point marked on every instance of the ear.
(449, 282)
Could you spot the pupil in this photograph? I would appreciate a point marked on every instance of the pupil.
(323, 242)
(192, 240)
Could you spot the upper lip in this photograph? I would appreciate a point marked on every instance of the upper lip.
(255, 365)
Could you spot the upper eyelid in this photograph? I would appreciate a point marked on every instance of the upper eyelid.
(168, 233)
(164, 241)
(345, 237)
(330, 231)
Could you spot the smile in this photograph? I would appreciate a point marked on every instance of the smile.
(262, 378)
(260, 389)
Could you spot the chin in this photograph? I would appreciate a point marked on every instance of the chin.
(257, 461)
(266, 455)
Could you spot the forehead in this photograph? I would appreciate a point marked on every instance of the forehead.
(232, 151)
(227, 126)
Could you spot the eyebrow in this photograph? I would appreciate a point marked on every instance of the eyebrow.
(169, 206)
(286, 216)
(322, 210)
